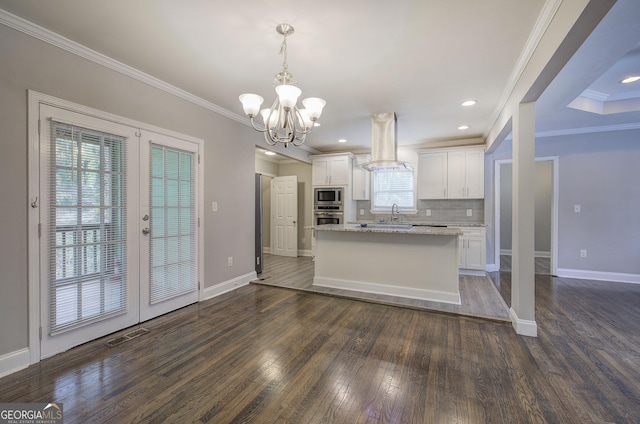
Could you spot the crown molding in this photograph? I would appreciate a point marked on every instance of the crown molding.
(542, 24)
(29, 28)
(584, 130)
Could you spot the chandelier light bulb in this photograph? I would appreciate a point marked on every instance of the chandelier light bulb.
(251, 103)
(288, 95)
(314, 107)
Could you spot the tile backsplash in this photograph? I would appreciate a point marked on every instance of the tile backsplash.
(442, 211)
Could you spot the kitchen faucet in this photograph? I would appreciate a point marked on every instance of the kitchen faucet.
(395, 213)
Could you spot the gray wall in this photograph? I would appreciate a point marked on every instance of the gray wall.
(600, 172)
(543, 200)
(229, 160)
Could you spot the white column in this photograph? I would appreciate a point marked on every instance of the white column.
(522, 274)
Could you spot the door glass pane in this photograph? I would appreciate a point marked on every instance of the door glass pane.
(86, 226)
(173, 224)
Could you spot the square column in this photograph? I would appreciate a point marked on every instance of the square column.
(522, 310)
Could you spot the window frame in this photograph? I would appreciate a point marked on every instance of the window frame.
(375, 209)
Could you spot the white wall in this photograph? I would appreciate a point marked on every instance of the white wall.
(229, 160)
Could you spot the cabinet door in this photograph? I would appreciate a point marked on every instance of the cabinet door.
(360, 184)
(462, 252)
(320, 171)
(432, 176)
(474, 174)
(339, 170)
(475, 252)
(456, 175)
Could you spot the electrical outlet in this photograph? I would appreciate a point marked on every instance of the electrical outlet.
(361, 212)
(230, 261)
(428, 212)
(583, 253)
(469, 212)
(576, 208)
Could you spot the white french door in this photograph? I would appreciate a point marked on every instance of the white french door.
(169, 225)
(118, 227)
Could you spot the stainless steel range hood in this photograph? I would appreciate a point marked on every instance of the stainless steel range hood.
(384, 144)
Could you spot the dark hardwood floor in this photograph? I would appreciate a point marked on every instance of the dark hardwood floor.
(265, 354)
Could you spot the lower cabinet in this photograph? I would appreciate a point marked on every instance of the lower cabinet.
(473, 249)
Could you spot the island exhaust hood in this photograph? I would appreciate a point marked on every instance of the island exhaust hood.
(384, 144)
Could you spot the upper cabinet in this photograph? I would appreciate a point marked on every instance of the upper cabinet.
(451, 174)
(331, 170)
(432, 175)
(361, 178)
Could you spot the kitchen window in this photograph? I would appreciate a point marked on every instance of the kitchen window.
(391, 187)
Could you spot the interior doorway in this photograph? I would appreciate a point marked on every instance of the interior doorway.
(546, 215)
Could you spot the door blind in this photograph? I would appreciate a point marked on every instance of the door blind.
(87, 226)
(173, 223)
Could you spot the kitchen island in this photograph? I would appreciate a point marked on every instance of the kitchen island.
(397, 260)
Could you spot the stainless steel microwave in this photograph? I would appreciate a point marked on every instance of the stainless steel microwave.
(328, 196)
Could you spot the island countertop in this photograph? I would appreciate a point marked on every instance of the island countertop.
(391, 229)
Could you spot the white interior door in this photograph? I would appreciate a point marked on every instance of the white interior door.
(119, 232)
(284, 216)
(169, 224)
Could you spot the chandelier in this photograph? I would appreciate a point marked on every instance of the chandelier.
(284, 122)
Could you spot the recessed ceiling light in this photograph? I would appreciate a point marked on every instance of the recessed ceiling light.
(463, 127)
(269, 153)
(469, 102)
(631, 79)
(342, 140)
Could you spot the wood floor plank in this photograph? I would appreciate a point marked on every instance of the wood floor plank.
(263, 354)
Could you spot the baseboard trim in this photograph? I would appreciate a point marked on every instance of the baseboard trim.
(523, 327)
(305, 253)
(14, 361)
(266, 250)
(228, 285)
(475, 272)
(431, 295)
(616, 277)
(492, 268)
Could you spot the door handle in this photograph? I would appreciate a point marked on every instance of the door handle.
(145, 231)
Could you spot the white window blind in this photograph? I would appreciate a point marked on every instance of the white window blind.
(173, 223)
(391, 187)
(87, 226)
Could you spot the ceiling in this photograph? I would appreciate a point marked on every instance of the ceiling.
(418, 58)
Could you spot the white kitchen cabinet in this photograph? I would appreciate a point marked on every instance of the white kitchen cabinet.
(361, 179)
(432, 176)
(451, 174)
(465, 174)
(331, 170)
(473, 249)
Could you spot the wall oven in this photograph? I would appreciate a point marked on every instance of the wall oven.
(330, 217)
(328, 196)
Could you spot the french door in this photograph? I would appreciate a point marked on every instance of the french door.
(118, 227)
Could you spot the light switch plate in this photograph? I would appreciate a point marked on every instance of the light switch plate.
(428, 212)
(469, 212)
(214, 206)
(576, 208)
